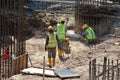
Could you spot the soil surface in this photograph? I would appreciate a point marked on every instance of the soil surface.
(79, 59)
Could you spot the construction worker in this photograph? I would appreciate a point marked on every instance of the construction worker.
(66, 47)
(50, 46)
(88, 34)
(61, 32)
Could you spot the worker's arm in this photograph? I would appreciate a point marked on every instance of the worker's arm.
(65, 29)
(46, 43)
(84, 34)
(58, 42)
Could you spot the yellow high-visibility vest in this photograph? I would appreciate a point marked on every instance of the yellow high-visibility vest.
(52, 43)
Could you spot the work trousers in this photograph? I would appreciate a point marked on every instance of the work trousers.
(51, 52)
(60, 44)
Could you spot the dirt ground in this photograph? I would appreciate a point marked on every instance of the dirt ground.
(79, 59)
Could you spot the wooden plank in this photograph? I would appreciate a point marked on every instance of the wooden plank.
(108, 69)
(104, 68)
(44, 68)
(26, 57)
(38, 71)
(112, 71)
(13, 67)
(64, 74)
(19, 64)
(90, 70)
(117, 71)
(98, 71)
(23, 62)
(94, 69)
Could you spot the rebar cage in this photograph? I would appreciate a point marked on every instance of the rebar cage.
(12, 43)
(99, 14)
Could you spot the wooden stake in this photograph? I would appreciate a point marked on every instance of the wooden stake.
(44, 68)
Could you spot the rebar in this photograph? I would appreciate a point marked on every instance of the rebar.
(11, 34)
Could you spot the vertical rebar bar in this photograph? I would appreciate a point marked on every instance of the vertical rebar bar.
(117, 71)
(10, 34)
(3, 75)
(90, 70)
(112, 71)
(44, 68)
(98, 71)
(104, 68)
(0, 34)
(108, 69)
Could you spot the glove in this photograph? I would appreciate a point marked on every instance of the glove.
(45, 48)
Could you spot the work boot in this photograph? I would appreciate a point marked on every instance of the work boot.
(50, 66)
(53, 62)
(61, 58)
(49, 60)
(59, 52)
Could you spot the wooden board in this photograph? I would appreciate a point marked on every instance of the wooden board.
(38, 71)
(19, 63)
(66, 74)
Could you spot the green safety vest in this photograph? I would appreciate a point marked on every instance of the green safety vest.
(52, 43)
(61, 31)
(91, 35)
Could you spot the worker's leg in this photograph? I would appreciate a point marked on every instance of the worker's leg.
(49, 58)
(53, 56)
(60, 48)
(59, 52)
(85, 39)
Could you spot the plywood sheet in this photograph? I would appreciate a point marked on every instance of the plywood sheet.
(66, 73)
(37, 71)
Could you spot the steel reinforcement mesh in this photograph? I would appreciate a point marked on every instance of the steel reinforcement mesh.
(98, 14)
(12, 34)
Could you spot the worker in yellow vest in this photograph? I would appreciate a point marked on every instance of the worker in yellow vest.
(50, 46)
(88, 34)
(61, 32)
